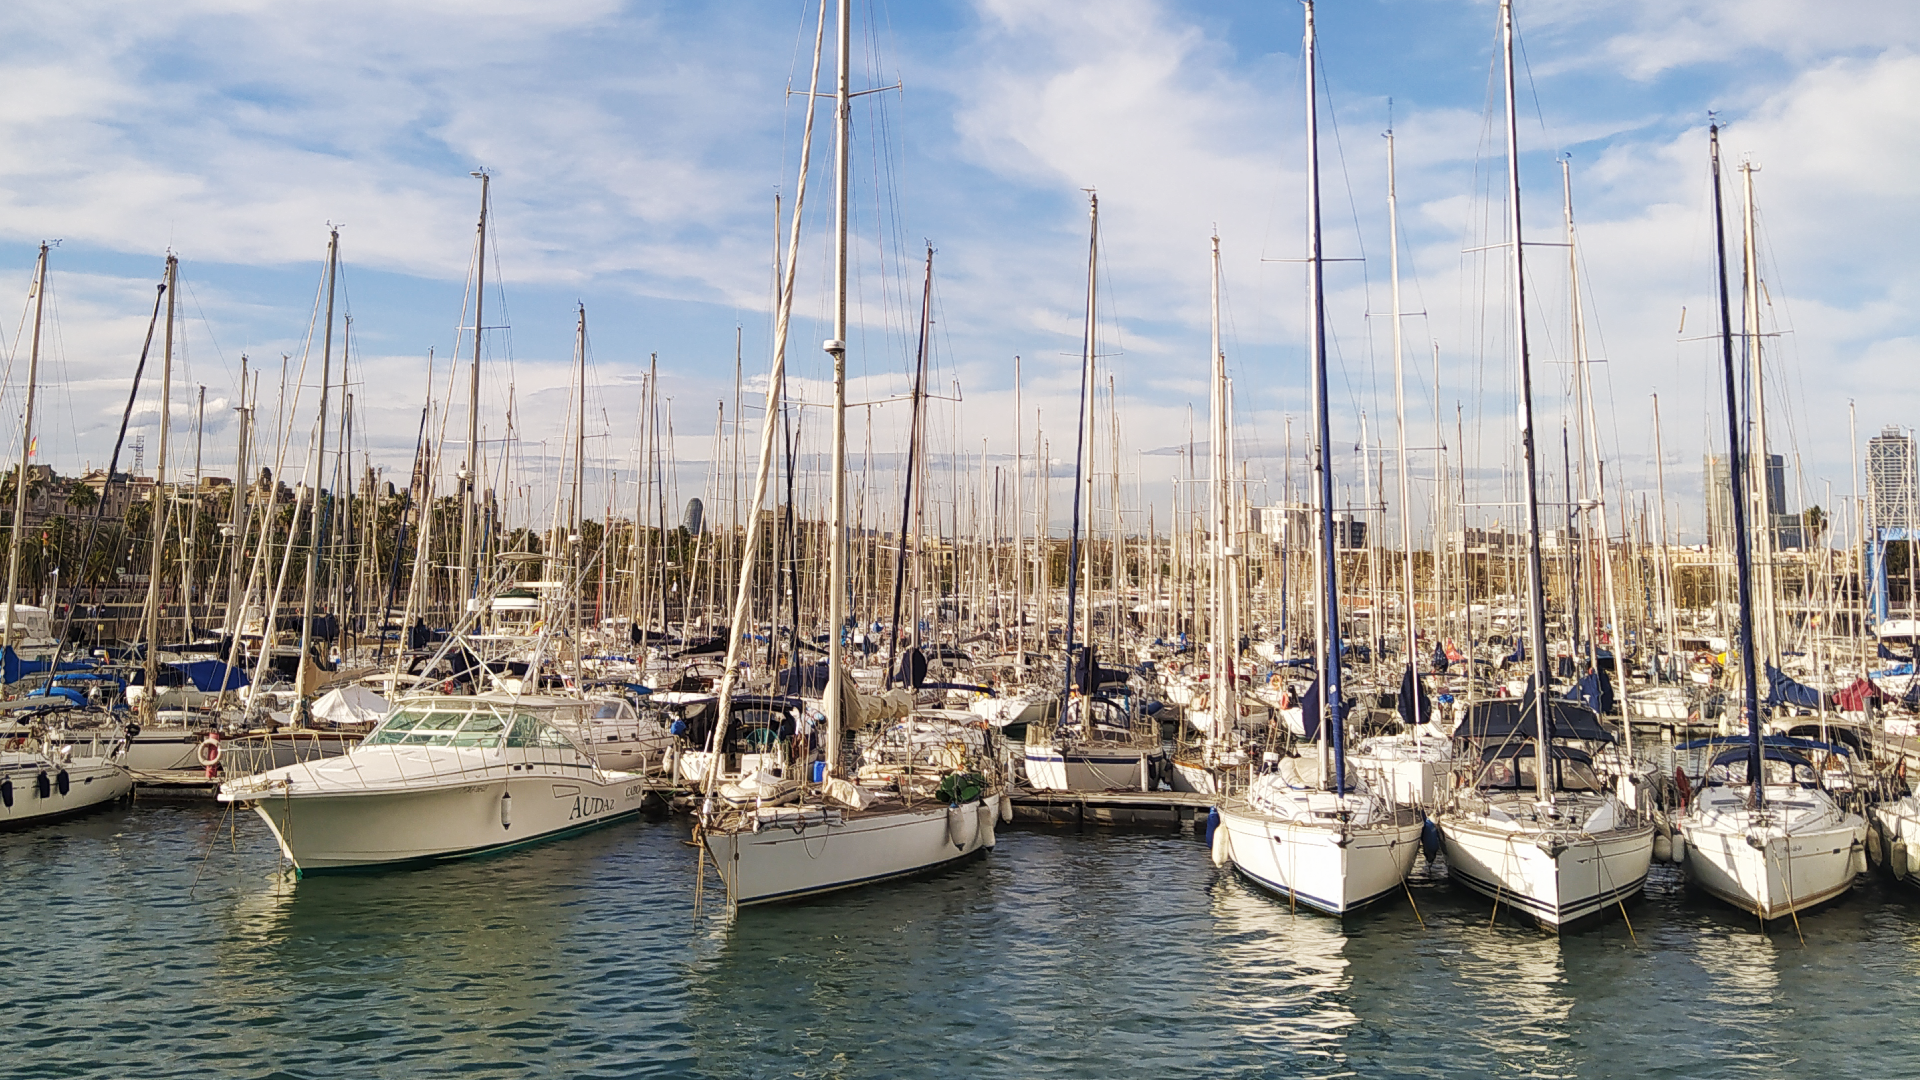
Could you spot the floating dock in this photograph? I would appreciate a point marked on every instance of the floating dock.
(1165, 808)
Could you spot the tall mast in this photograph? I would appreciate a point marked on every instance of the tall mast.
(26, 449)
(836, 347)
(1768, 643)
(1084, 424)
(315, 522)
(469, 562)
(242, 489)
(575, 538)
(1019, 538)
(151, 704)
(1329, 660)
(1220, 696)
(1743, 565)
(1400, 422)
(1536, 583)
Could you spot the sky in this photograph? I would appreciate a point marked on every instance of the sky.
(636, 152)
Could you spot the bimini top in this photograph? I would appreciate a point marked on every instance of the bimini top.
(1740, 743)
(1502, 718)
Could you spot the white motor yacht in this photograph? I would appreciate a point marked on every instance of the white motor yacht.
(443, 776)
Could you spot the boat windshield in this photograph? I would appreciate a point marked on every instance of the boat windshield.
(440, 727)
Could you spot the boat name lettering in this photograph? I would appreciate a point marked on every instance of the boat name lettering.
(585, 806)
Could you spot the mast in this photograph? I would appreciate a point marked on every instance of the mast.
(1331, 728)
(150, 706)
(26, 449)
(917, 402)
(575, 538)
(1768, 644)
(1220, 696)
(837, 348)
(189, 542)
(1019, 538)
(469, 562)
(1081, 438)
(1400, 421)
(241, 491)
(316, 522)
(1536, 584)
(1743, 566)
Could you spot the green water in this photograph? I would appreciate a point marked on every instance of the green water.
(146, 941)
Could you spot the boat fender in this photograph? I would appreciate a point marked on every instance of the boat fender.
(1213, 824)
(963, 825)
(1662, 848)
(41, 787)
(6, 792)
(506, 809)
(1678, 849)
(133, 729)
(1857, 859)
(1006, 809)
(1897, 858)
(987, 814)
(1876, 846)
(1221, 854)
(1912, 849)
(62, 783)
(1429, 838)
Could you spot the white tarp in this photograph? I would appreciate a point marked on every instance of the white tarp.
(350, 705)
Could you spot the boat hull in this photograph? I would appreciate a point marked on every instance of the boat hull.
(1104, 769)
(1784, 875)
(90, 782)
(1308, 863)
(801, 852)
(337, 831)
(1587, 878)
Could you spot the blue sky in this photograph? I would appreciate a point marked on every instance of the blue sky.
(636, 150)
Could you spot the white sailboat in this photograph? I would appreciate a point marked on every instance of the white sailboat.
(1537, 830)
(1325, 841)
(837, 833)
(1763, 834)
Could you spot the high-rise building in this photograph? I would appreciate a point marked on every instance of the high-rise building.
(1891, 483)
(1788, 531)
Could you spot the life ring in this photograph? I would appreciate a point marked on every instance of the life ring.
(209, 751)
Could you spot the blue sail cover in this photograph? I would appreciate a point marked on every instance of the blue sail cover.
(1506, 717)
(212, 676)
(1439, 660)
(1410, 691)
(1596, 689)
(1312, 712)
(1782, 690)
(13, 668)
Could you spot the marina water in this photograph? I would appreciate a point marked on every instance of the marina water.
(156, 940)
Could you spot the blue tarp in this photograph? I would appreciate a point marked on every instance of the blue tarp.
(1596, 689)
(1312, 711)
(1782, 690)
(13, 668)
(1410, 691)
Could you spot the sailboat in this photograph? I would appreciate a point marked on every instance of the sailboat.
(772, 839)
(1317, 837)
(1100, 741)
(1763, 834)
(1538, 831)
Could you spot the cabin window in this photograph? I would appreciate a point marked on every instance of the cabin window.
(523, 734)
(418, 728)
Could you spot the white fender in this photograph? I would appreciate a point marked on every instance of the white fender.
(1897, 858)
(987, 815)
(1222, 853)
(963, 826)
(1679, 848)
(1662, 848)
(1006, 809)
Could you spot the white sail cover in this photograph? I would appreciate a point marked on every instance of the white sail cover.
(350, 705)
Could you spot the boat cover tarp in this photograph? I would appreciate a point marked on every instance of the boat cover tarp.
(1857, 697)
(1410, 687)
(349, 705)
(803, 679)
(1596, 689)
(1788, 741)
(1783, 690)
(1439, 660)
(1312, 712)
(1505, 717)
(1889, 654)
(13, 668)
